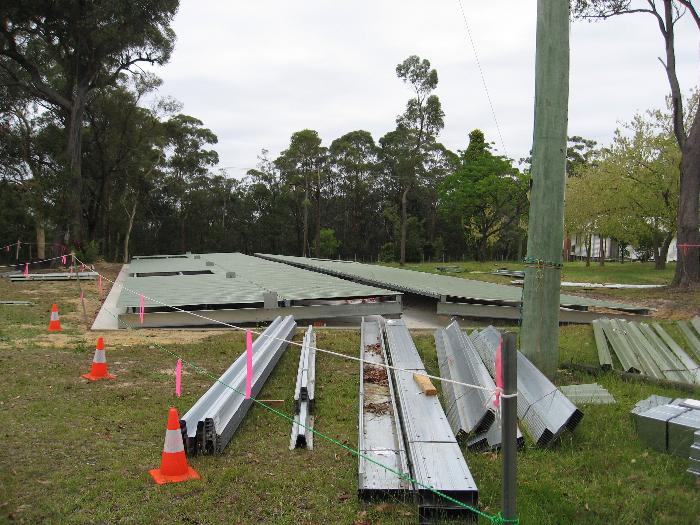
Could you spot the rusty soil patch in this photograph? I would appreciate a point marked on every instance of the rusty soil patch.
(378, 408)
(376, 375)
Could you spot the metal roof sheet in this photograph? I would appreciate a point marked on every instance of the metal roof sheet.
(253, 277)
(429, 284)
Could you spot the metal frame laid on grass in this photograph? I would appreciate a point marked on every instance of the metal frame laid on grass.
(684, 358)
(55, 276)
(692, 339)
(544, 411)
(435, 456)
(208, 426)
(304, 393)
(618, 340)
(380, 435)
(470, 410)
(604, 356)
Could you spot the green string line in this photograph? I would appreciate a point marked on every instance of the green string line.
(496, 519)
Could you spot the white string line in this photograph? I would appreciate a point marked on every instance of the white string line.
(483, 77)
(329, 352)
(36, 262)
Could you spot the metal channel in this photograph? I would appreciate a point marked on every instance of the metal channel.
(56, 276)
(695, 321)
(544, 411)
(587, 394)
(692, 339)
(435, 457)
(623, 351)
(652, 361)
(209, 425)
(674, 365)
(302, 436)
(601, 343)
(474, 407)
(684, 358)
(380, 435)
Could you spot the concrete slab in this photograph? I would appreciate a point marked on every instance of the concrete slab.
(107, 317)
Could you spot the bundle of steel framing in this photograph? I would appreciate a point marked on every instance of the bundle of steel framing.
(435, 457)
(648, 349)
(209, 425)
(470, 411)
(381, 439)
(544, 411)
(302, 436)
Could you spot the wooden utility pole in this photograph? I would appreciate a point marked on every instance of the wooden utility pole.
(540, 317)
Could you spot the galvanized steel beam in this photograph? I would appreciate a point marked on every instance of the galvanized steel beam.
(684, 358)
(692, 339)
(304, 394)
(601, 343)
(208, 426)
(618, 340)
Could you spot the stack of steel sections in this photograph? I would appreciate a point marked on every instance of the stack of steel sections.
(302, 436)
(435, 457)
(694, 456)
(542, 408)
(652, 425)
(668, 425)
(209, 425)
(616, 334)
(685, 360)
(471, 411)
(381, 441)
(587, 394)
(693, 340)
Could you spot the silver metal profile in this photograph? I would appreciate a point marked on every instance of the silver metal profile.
(694, 456)
(684, 358)
(681, 431)
(587, 394)
(380, 435)
(649, 357)
(692, 339)
(544, 411)
(618, 339)
(54, 276)
(435, 457)
(208, 426)
(601, 343)
(672, 368)
(304, 393)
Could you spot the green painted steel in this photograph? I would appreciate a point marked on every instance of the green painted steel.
(692, 339)
(235, 278)
(601, 343)
(433, 285)
(539, 335)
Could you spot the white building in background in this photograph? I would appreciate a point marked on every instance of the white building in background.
(578, 249)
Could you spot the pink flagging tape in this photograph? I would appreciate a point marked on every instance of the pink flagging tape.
(141, 307)
(249, 363)
(63, 260)
(178, 378)
(26, 269)
(99, 283)
(499, 373)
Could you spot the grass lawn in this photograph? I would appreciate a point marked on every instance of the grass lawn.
(79, 452)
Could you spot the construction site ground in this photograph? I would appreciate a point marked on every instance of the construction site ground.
(79, 452)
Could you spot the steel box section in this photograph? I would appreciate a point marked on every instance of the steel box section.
(304, 392)
(542, 408)
(652, 425)
(209, 425)
(380, 435)
(434, 455)
(681, 432)
(473, 406)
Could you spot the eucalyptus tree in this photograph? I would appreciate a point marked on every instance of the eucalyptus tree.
(685, 120)
(61, 51)
(417, 129)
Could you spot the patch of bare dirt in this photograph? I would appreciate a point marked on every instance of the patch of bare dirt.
(378, 408)
(376, 375)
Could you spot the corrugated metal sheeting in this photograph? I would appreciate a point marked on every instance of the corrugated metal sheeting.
(647, 349)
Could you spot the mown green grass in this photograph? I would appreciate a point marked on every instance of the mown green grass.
(79, 452)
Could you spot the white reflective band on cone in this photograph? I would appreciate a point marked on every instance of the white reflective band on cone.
(54, 316)
(99, 357)
(173, 442)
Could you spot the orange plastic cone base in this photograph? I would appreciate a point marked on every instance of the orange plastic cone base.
(162, 479)
(55, 326)
(93, 377)
(98, 371)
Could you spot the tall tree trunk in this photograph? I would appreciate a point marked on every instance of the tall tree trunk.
(304, 248)
(688, 260)
(404, 224)
(74, 146)
(589, 249)
(40, 239)
(660, 261)
(317, 239)
(601, 261)
(130, 214)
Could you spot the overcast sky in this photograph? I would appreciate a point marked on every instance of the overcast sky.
(255, 72)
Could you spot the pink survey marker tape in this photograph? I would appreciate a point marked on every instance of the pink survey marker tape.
(26, 269)
(249, 363)
(141, 307)
(178, 378)
(499, 373)
(99, 283)
(63, 260)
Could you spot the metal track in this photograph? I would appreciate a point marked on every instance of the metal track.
(302, 436)
(618, 339)
(435, 457)
(542, 408)
(692, 339)
(55, 276)
(601, 343)
(380, 436)
(209, 425)
(684, 358)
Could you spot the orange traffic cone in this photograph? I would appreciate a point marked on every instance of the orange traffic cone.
(99, 364)
(173, 466)
(55, 322)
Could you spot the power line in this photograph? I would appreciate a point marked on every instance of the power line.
(483, 77)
